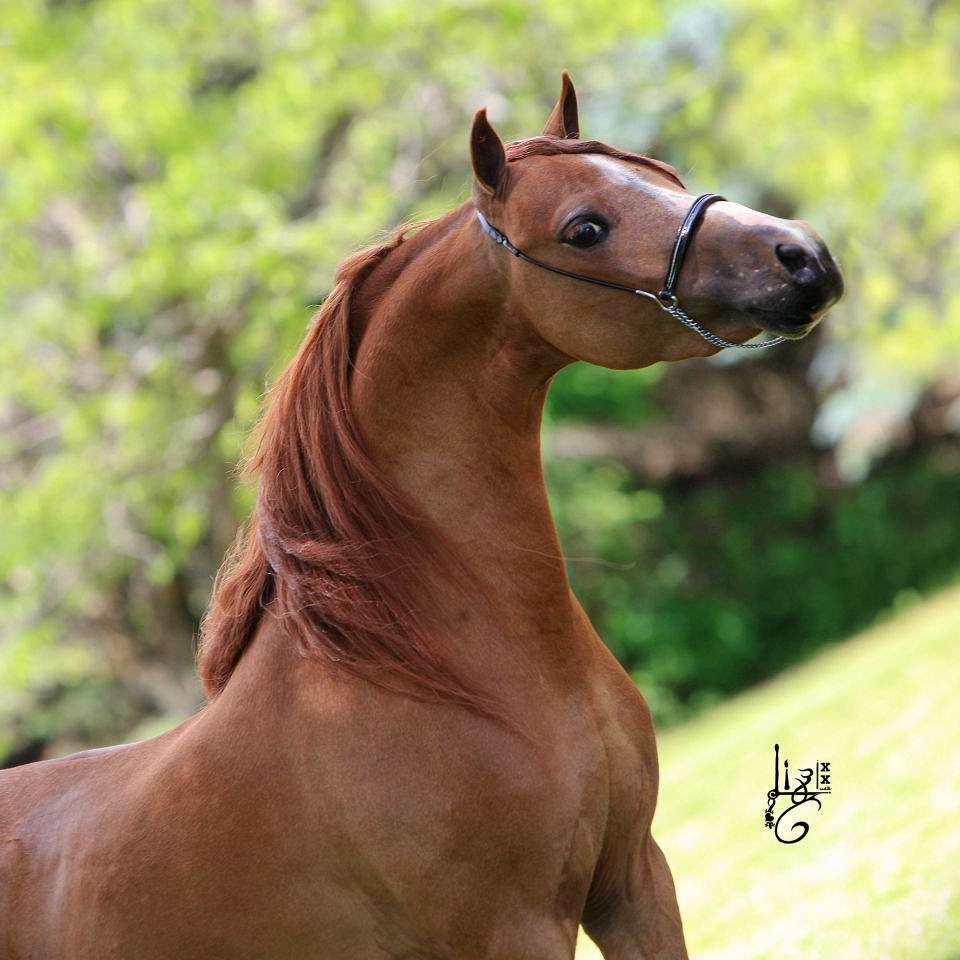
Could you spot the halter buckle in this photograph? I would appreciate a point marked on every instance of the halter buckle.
(667, 298)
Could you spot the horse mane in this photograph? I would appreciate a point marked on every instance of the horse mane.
(333, 549)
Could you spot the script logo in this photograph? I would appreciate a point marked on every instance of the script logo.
(799, 793)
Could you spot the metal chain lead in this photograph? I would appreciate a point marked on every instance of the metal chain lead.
(677, 313)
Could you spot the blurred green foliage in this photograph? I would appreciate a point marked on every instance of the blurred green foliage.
(703, 592)
(179, 180)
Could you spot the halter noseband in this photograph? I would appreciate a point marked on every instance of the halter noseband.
(666, 298)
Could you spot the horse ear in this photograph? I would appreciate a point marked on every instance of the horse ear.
(487, 154)
(564, 122)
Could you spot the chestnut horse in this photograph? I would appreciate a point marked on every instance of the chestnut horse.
(415, 745)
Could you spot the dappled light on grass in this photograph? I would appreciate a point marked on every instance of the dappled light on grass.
(877, 875)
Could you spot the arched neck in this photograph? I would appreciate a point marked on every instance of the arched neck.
(449, 389)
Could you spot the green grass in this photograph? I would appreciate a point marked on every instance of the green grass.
(878, 876)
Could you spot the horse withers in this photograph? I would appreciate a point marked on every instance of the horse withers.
(415, 745)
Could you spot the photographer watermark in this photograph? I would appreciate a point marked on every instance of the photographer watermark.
(807, 786)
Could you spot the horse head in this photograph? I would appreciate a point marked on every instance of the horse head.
(609, 217)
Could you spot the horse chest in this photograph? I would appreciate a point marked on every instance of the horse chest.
(456, 809)
(439, 842)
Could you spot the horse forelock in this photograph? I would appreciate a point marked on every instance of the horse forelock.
(334, 550)
(546, 146)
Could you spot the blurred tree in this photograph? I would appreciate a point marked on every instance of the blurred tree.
(178, 181)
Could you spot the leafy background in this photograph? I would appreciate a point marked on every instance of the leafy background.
(178, 181)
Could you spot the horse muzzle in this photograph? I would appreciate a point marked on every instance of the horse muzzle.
(801, 283)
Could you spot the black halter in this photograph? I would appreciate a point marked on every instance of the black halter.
(666, 297)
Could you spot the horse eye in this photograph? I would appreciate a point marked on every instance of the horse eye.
(584, 233)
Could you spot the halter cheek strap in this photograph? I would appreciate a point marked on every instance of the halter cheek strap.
(690, 223)
(666, 298)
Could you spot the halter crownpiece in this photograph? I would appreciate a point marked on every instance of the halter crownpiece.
(666, 297)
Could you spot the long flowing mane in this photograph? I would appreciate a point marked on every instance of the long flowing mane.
(333, 548)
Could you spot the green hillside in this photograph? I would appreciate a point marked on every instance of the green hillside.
(878, 876)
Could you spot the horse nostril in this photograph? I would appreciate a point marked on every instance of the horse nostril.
(794, 257)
